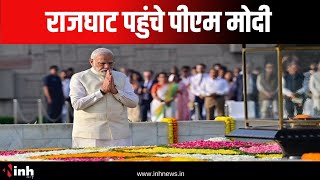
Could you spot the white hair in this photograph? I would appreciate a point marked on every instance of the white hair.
(101, 51)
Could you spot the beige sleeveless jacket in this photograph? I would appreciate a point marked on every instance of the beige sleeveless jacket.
(106, 119)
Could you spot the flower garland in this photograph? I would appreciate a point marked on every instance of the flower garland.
(215, 149)
(262, 149)
(86, 159)
(211, 157)
(172, 129)
(92, 155)
(8, 153)
(269, 156)
(229, 122)
(170, 150)
(201, 144)
(147, 159)
(30, 155)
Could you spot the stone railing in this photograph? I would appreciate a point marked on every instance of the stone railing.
(22, 136)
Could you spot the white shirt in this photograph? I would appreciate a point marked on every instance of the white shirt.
(81, 100)
(66, 87)
(186, 80)
(250, 84)
(314, 84)
(196, 81)
(218, 86)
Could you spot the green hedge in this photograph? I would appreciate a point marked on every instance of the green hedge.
(6, 120)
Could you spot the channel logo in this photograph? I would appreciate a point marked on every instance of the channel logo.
(11, 170)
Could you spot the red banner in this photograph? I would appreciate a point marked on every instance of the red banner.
(103, 21)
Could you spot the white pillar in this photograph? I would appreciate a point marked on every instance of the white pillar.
(196, 112)
(15, 111)
(68, 109)
(40, 116)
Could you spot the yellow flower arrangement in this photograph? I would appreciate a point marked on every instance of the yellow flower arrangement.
(172, 129)
(271, 156)
(167, 150)
(199, 150)
(185, 159)
(229, 121)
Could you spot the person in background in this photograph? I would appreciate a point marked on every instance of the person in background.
(181, 100)
(228, 76)
(145, 93)
(256, 71)
(308, 104)
(70, 72)
(267, 85)
(214, 89)
(163, 94)
(193, 71)
(252, 91)
(222, 71)
(126, 71)
(236, 72)
(287, 60)
(137, 75)
(52, 89)
(293, 90)
(196, 83)
(217, 66)
(307, 76)
(174, 70)
(314, 86)
(134, 113)
(66, 91)
(185, 76)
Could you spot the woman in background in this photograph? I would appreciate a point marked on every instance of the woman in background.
(134, 113)
(182, 98)
(163, 94)
(267, 86)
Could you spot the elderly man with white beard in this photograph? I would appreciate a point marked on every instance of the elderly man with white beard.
(100, 97)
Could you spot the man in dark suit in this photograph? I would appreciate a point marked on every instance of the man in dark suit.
(293, 90)
(145, 94)
(52, 89)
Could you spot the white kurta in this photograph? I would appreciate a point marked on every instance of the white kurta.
(97, 117)
(314, 86)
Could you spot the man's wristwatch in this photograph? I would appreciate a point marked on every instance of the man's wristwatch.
(102, 92)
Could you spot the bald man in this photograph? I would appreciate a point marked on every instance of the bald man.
(100, 97)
